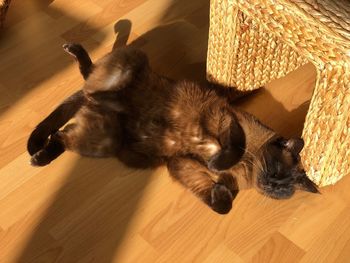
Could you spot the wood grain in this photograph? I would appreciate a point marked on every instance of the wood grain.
(87, 210)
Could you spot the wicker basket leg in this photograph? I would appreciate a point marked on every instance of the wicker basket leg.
(326, 154)
(241, 53)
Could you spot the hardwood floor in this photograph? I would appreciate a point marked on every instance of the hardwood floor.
(88, 210)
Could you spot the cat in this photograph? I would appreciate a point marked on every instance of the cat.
(128, 111)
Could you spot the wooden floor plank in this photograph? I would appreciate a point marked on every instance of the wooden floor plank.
(87, 210)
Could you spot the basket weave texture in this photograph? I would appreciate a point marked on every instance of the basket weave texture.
(252, 42)
(4, 4)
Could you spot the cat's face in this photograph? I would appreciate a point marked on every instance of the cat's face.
(278, 170)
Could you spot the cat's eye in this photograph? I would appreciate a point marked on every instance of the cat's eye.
(280, 142)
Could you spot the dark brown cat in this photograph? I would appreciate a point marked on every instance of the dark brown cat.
(126, 110)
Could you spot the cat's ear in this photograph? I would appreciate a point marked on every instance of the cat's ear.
(294, 145)
(305, 184)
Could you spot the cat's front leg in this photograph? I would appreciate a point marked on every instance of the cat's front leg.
(232, 141)
(199, 179)
(224, 159)
(224, 192)
(221, 199)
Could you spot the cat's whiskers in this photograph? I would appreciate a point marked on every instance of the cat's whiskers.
(265, 164)
(265, 201)
(252, 162)
(262, 201)
(263, 167)
(257, 164)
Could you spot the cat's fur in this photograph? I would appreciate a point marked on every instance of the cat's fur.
(126, 110)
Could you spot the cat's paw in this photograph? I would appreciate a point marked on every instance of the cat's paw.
(221, 199)
(41, 158)
(37, 140)
(215, 163)
(221, 161)
(72, 49)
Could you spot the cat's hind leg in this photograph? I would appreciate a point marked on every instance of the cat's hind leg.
(81, 55)
(70, 138)
(83, 145)
(53, 148)
(209, 187)
(87, 138)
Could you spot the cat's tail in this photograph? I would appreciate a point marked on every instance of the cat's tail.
(52, 123)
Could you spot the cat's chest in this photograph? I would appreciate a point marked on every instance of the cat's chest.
(184, 142)
(176, 135)
(204, 146)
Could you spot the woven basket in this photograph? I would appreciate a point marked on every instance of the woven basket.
(252, 42)
(4, 4)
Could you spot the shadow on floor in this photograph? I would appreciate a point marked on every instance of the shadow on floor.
(38, 55)
(293, 121)
(89, 215)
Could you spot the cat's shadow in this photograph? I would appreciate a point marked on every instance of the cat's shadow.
(25, 69)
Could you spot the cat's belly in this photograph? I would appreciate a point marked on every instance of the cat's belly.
(203, 147)
(175, 133)
(176, 143)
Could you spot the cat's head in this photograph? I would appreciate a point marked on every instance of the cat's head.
(278, 171)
